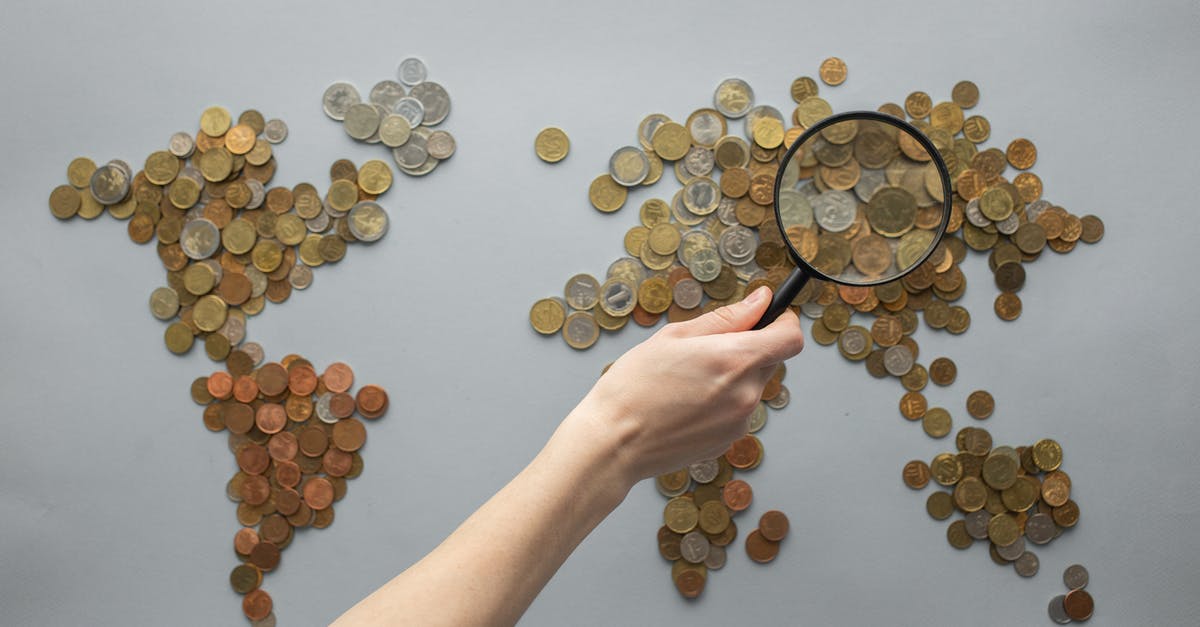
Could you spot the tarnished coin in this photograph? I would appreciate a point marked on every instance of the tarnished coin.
(1075, 577)
(1026, 565)
(338, 98)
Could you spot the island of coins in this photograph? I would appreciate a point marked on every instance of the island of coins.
(228, 240)
(399, 114)
(1077, 604)
(296, 441)
(715, 237)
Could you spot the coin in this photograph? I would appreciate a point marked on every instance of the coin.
(759, 548)
(1075, 577)
(1057, 610)
(551, 144)
(733, 98)
(629, 166)
(916, 474)
(1078, 604)
(833, 71)
(338, 98)
(980, 404)
(411, 71)
(606, 194)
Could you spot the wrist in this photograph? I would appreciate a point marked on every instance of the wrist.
(595, 445)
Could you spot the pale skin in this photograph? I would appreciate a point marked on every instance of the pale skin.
(683, 395)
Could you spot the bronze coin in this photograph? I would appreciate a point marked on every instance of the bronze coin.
(341, 405)
(1079, 604)
(274, 529)
(287, 473)
(980, 404)
(743, 452)
(255, 490)
(943, 371)
(338, 377)
(913, 405)
(302, 380)
(668, 543)
(220, 385)
(737, 495)
(759, 548)
(318, 493)
(283, 446)
(270, 418)
(257, 605)
(244, 578)
(916, 474)
(265, 555)
(272, 379)
(245, 389)
(239, 418)
(253, 459)
(349, 435)
(287, 501)
(690, 584)
(336, 462)
(773, 525)
(372, 401)
(313, 441)
(244, 540)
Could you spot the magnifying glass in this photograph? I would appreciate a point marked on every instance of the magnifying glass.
(862, 198)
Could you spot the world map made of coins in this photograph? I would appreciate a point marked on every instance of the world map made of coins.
(716, 240)
(229, 245)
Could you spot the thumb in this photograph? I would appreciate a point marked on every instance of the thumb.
(739, 316)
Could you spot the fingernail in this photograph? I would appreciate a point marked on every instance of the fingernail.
(756, 296)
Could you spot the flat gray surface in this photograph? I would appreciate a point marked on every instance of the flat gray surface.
(113, 492)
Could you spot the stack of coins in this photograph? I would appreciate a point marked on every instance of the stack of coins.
(296, 442)
(716, 239)
(1007, 496)
(1077, 604)
(397, 114)
(228, 242)
(704, 499)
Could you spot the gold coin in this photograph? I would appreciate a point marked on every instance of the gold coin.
(1002, 530)
(64, 202)
(939, 505)
(833, 71)
(547, 316)
(1021, 154)
(663, 239)
(803, 87)
(671, 141)
(198, 279)
(965, 94)
(957, 536)
(342, 195)
(681, 515)
(606, 194)
(266, 255)
(374, 177)
(209, 313)
(79, 172)
(179, 338)
(1047, 454)
(946, 469)
(552, 144)
(214, 121)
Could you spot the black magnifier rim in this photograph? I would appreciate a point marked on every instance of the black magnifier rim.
(936, 157)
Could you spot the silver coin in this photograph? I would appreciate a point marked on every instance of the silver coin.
(258, 281)
(318, 223)
(1075, 577)
(694, 547)
(974, 214)
(338, 98)
(234, 329)
(410, 109)
(705, 265)
(200, 239)
(1012, 551)
(411, 71)
(781, 400)
(413, 153)
(110, 184)
(435, 100)
(727, 211)
(733, 109)
(322, 409)
(218, 272)
(835, 210)
(795, 209)
(898, 360)
(705, 127)
(704, 471)
(394, 130)
(693, 241)
(716, 557)
(383, 112)
(258, 193)
(1035, 209)
(254, 351)
(581, 329)
(1009, 225)
(758, 419)
(361, 121)
(812, 310)
(124, 167)
(1058, 611)
(854, 340)
(682, 213)
(649, 125)
(441, 145)
(618, 297)
(300, 276)
(1039, 528)
(582, 292)
(275, 131)
(181, 145)
(628, 166)
(758, 113)
(699, 161)
(1026, 565)
(428, 166)
(688, 293)
(869, 182)
(267, 621)
(737, 245)
(977, 523)
(701, 195)
(367, 221)
(386, 93)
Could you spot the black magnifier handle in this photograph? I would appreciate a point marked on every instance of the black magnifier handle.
(783, 296)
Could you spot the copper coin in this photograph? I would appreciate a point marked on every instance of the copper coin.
(318, 493)
(341, 405)
(916, 474)
(372, 401)
(287, 501)
(313, 441)
(272, 379)
(214, 417)
(743, 452)
(302, 517)
(737, 495)
(943, 371)
(220, 385)
(349, 435)
(323, 518)
(690, 584)
(338, 377)
(773, 525)
(270, 418)
(980, 404)
(239, 418)
(244, 540)
(257, 604)
(668, 543)
(245, 389)
(287, 473)
(255, 490)
(759, 548)
(302, 380)
(253, 459)
(275, 529)
(337, 463)
(1079, 604)
(234, 288)
(283, 446)
(913, 405)
(265, 555)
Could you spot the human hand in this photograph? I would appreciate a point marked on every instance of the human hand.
(686, 393)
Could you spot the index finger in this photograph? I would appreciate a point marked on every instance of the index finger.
(778, 341)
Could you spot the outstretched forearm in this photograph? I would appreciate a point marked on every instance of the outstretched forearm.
(490, 569)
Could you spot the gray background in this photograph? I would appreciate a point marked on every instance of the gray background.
(113, 492)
